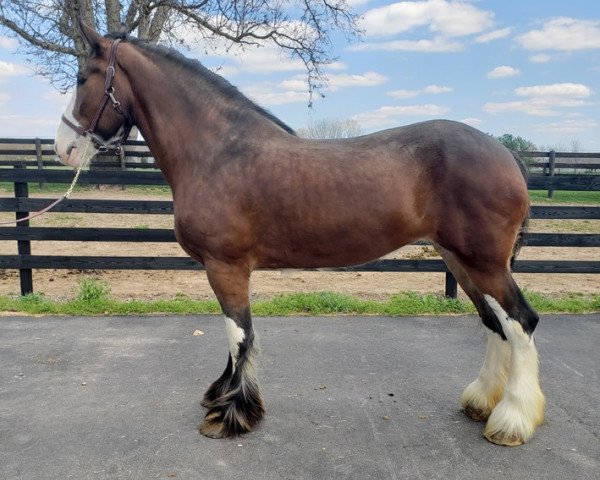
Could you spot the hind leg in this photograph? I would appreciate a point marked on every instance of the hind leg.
(508, 383)
(521, 410)
(481, 396)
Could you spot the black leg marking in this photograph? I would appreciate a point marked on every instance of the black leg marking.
(219, 386)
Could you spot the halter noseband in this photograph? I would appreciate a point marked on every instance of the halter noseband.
(109, 94)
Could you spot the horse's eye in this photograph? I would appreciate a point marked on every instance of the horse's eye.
(80, 79)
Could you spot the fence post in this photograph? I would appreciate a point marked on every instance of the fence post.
(451, 286)
(23, 246)
(123, 166)
(551, 166)
(40, 160)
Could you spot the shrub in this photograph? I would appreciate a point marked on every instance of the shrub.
(92, 290)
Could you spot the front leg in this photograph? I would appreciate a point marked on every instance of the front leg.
(219, 386)
(483, 394)
(234, 400)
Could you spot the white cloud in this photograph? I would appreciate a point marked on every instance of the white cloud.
(391, 115)
(540, 58)
(295, 89)
(437, 44)
(9, 69)
(227, 58)
(435, 89)
(474, 122)
(367, 79)
(445, 20)
(263, 95)
(23, 126)
(448, 18)
(503, 71)
(430, 89)
(568, 126)
(357, 3)
(519, 106)
(563, 33)
(336, 81)
(543, 100)
(566, 90)
(297, 83)
(336, 66)
(8, 43)
(54, 96)
(267, 59)
(494, 35)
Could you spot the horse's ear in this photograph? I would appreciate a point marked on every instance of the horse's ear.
(93, 38)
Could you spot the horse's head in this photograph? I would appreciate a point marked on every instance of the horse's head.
(97, 118)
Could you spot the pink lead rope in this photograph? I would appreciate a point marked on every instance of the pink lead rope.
(58, 200)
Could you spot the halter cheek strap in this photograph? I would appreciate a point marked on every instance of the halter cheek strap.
(109, 94)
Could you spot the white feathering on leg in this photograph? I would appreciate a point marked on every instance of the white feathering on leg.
(514, 420)
(482, 395)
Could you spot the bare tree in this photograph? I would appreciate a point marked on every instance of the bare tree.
(331, 128)
(47, 30)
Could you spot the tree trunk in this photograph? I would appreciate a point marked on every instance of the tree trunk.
(113, 15)
(158, 22)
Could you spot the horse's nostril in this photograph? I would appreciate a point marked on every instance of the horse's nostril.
(70, 148)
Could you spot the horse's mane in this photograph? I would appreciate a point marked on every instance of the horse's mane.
(196, 68)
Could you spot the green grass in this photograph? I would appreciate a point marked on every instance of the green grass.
(541, 196)
(60, 188)
(93, 298)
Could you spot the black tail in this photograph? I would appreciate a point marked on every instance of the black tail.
(522, 235)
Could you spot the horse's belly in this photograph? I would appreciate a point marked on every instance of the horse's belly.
(347, 247)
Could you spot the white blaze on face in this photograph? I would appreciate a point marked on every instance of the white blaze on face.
(235, 336)
(72, 148)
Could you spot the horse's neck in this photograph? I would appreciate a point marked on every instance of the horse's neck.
(184, 127)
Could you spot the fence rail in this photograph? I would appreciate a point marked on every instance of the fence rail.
(42, 170)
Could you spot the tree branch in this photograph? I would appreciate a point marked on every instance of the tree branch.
(53, 47)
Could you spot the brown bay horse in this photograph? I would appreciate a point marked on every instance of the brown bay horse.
(249, 194)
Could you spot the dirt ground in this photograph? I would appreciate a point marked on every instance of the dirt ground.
(132, 284)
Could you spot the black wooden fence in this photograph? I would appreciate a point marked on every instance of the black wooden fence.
(17, 167)
(576, 162)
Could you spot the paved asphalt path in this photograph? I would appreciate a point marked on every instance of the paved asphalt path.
(347, 397)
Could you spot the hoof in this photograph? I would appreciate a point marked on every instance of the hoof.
(477, 402)
(229, 420)
(506, 440)
(513, 424)
(476, 414)
(214, 427)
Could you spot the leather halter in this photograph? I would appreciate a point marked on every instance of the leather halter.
(109, 94)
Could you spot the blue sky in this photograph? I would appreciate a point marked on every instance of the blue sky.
(526, 67)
